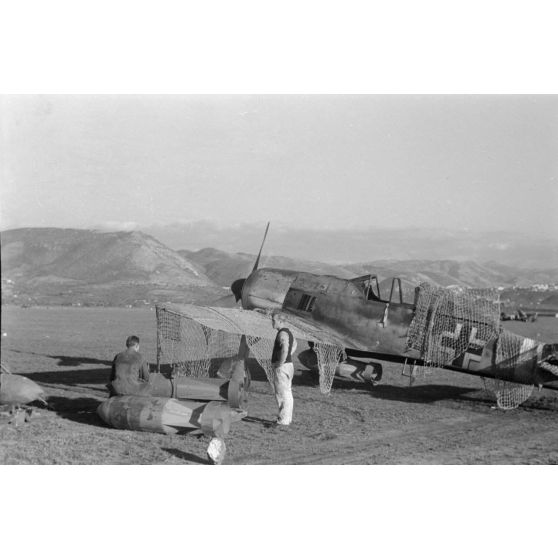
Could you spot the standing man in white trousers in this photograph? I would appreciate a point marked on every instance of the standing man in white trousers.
(282, 363)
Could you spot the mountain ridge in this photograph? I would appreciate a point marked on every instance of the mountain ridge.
(41, 265)
(346, 246)
(46, 262)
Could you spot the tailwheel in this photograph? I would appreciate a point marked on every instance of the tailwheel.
(372, 373)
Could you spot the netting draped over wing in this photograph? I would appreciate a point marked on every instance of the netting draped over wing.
(262, 348)
(191, 337)
(329, 357)
(189, 347)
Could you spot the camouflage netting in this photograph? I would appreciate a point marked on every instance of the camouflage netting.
(262, 349)
(512, 350)
(509, 395)
(448, 325)
(447, 322)
(451, 322)
(190, 347)
(191, 338)
(329, 357)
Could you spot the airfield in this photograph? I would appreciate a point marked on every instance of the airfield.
(442, 418)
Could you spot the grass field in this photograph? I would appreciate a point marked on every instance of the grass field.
(443, 418)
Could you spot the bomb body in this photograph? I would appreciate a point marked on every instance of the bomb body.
(168, 416)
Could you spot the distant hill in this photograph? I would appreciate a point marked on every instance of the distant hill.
(448, 272)
(93, 267)
(365, 245)
(223, 268)
(87, 267)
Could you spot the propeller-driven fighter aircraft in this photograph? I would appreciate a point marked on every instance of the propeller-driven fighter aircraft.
(437, 328)
(350, 325)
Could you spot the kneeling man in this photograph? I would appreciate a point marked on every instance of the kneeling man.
(130, 372)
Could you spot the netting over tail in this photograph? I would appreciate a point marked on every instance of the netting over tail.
(509, 395)
(511, 351)
(448, 322)
(329, 357)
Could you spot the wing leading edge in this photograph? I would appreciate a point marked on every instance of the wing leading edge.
(250, 322)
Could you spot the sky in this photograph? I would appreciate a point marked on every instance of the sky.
(484, 162)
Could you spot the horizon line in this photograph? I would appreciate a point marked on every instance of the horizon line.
(279, 226)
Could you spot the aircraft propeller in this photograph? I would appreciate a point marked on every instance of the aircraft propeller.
(238, 284)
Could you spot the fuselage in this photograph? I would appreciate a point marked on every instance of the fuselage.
(367, 323)
(350, 308)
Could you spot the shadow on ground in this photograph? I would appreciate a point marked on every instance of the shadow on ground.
(68, 360)
(422, 393)
(416, 394)
(78, 409)
(257, 420)
(72, 377)
(78, 361)
(186, 456)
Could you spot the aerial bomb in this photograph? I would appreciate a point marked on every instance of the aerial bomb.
(19, 390)
(169, 416)
(206, 389)
(348, 368)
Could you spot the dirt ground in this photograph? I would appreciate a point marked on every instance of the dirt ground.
(443, 418)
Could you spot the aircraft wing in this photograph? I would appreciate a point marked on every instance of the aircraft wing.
(250, 322)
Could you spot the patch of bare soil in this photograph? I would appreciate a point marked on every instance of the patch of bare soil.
(444, 418)
(430, 423)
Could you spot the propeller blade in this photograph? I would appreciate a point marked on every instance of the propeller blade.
(261, 248)
(237, 285)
